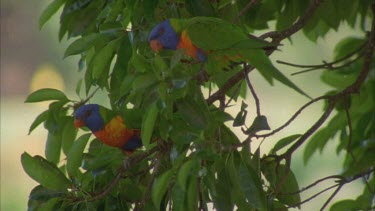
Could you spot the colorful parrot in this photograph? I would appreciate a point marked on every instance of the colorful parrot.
(108, 127)
(201, 36)
(217, 42)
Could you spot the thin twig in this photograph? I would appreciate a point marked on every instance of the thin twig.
(295, 115)
(256, 99)
(245, 9)
(298, 25)
(332, 196)
(313, 184)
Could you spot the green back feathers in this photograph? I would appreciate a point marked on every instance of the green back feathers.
(209, 33)
(106, 114)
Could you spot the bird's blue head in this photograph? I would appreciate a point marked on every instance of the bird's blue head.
(163, 36)
(88, 115)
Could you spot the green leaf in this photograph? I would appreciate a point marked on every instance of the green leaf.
(251, 185)
(200, 7)
(188, 170)
(347, 205)
(284, 142)
(53, 147)
(44, 172)
(288, 185)
(261, 62)
(193, 114)
(69, 134)
(160, 187)
(148, 124)
(46, 94)
(41, 198)
(38, 120)
(49, 11)
(259, 123)
(82, 44)
(74, 158)
(102, 59)
(144, 81)
(241, 116)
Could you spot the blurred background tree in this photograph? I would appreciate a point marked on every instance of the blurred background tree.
(194, 160)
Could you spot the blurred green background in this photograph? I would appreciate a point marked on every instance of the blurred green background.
(33, 59)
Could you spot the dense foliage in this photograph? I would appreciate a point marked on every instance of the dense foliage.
(191, 160)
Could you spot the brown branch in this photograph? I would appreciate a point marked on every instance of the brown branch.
(313, 184)
(245, 9)
(339, 184)
(295, 115)
(328, 65)
(256, 99)
(298, 25)
(309, 132)
(332, 196)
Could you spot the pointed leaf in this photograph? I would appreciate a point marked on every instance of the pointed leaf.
(160, 187)
(187, 170)
(44, 172)
(260, 123)
(46, 94)
(148, 124)
(74, 158)
(69, 134)
(49, 11)
(261, 62)
(252, 186)
(82, 44)
(284, 142)
(53, 147)
(38, 120)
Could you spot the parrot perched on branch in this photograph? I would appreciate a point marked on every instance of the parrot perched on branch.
(216, 42)
(201, 36)
(108, 127)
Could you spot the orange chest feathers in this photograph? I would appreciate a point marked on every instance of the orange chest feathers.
(114, 133)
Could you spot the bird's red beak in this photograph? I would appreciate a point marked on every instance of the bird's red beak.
(78, 123)
(156, 45)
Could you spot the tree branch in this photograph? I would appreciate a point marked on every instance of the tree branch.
(245, 9)
(277, 38)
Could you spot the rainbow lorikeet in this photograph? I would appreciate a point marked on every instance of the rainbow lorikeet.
(108, 127)
(201, 36)
(217, 42)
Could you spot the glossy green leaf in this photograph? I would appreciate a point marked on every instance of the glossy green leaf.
(102, 59)
(41, 198)
(144, 81)
(239, 120)
(44, 172)
(46, 94)
(193, 114)
(82, 44)
(284, 142)
(287, 185)
(188, 170)
(53, 147)
(48, 12)
(251, 185)
(148, 124)
(348, 204)
(38, 120)
(74, 158)
(69, 134)
(261, 62)
(259, 123)
(160, 187)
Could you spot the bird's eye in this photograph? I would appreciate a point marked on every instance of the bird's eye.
(87, 113)
(161, 31)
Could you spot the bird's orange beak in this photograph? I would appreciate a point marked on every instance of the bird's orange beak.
(78, 123)
(156, 45)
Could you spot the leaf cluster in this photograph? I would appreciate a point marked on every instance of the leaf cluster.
(191, 158)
